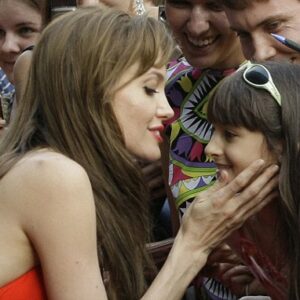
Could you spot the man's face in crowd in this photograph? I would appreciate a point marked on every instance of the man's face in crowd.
(255, 24)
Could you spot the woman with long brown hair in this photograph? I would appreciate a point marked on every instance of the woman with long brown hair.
(72, 200)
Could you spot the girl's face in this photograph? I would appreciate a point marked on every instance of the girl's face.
(141, 107)
(234, 148)
(202, 31)
(20, 26)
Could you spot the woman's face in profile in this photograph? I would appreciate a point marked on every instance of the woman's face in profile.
(141, 107)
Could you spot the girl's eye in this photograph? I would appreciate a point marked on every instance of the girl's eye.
(26, 30)
(150, 91)
(229, 135)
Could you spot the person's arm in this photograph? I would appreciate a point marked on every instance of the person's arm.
(58, 216)
(212, 216)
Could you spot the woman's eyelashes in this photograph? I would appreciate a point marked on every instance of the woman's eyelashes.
(150, 91)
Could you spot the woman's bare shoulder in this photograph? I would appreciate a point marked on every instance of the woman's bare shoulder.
(44, 174)
(46, 163)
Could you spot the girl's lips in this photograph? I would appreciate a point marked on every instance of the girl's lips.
(8, 62)
(221, 167)
(7, 65)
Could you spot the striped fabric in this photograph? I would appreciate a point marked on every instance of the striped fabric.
(6, 88)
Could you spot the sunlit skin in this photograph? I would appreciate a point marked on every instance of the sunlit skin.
(233, 149)
(141, 107)
(202, 31)
(20, 26)
(125, 5)
(255, 24)
(87, 2)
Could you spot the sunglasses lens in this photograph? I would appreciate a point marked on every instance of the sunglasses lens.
(257, 75)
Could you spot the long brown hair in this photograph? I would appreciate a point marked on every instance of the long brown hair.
(67, 106)
(236, 103)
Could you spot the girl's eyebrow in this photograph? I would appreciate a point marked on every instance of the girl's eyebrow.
(27, 24)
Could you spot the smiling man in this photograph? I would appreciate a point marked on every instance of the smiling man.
(255, 20)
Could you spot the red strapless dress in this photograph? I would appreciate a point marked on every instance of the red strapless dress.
(28, 286)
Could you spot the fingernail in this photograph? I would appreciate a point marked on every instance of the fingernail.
(260, 162)
(275, 168)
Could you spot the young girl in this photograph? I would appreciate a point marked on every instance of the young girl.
(21, 22)
(20, 25)
(256, 113)
(73, 211)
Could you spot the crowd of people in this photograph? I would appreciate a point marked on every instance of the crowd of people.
(113, 109)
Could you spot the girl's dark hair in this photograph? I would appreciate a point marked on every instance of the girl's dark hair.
(237, 103)
(42, 6)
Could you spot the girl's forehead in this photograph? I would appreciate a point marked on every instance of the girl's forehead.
(18, 12)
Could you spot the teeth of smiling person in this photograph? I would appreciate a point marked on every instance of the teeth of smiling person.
(201, 42)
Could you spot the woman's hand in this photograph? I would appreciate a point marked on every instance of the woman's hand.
(224, 207)
(212, 216)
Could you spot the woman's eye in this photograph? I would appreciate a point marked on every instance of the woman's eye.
(150, 91)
